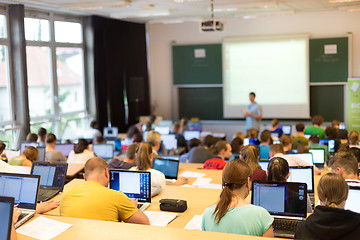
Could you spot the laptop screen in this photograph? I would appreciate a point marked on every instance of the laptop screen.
(303, 175)
(286, 199)
(168, 167)
(286, 129)
(134, 184)
(188, 135)
(318, 155)
(162, 130)
(307, 157)
(329, 143)
(169, 141)
(6, 213)
(352, 202)
(23, 145)
(264, 165)
(165, 123)
(110, 132)
(24, 188)
(65, 149)
(52, 174)
(41, 156)
(105, 151)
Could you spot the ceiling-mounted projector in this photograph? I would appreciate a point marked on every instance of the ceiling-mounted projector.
(212, 26)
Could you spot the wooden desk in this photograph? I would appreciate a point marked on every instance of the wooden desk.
(74, 169)
(92, 229)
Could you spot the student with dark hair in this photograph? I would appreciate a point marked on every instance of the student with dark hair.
(41, 137)
(250, 154)
(202, 153)
(331, 134)
(192, 143)
(52, 155)
(317, 120)
(286, 142)
(26, 158)
(342, 133)
(356, 153)
(252, 135)
(345, 164)
(300, 129)
(222, 151)
(181, 142)
(129, 160)
(330, 221)
(253, 113)
(236, 145)
(99, 140)
(266, 141)
(81, 152)
(276, 128)
(3, 156)
(31, 137)
(232, 213)
(93, 131)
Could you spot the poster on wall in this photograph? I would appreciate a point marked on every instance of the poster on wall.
(353, 104)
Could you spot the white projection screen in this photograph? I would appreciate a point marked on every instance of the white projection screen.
(276, 68)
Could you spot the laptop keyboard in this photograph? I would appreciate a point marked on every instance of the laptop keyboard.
(140, 205)
(285, 224)
(22, 215)
(45, 195)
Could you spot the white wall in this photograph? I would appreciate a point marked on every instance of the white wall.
(161, 36)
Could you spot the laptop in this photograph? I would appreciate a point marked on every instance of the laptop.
(65, 149)
(23, 145)
(286, 129)
(264, 164)
(274, 135)
(105, 151)
(6, 213)
(329, 143)
(188, 135)
(318, 156)
(110, 132)
(168, 167)
(252, 141)
(134, 184)
(52, 178)
(285, 201)
(24, 188)
(352, 202)
(304, 174)
(41, 156)
(165, 123)
(307, 157)
(163, 130)
(169, 141)
(115, 142)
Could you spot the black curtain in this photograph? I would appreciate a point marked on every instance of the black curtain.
(120, 70)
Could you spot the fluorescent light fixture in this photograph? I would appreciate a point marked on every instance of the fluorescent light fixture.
(174, 20)
(265, 14)
(245, 5)
(353, 8)
(143, 13)
(96, 5)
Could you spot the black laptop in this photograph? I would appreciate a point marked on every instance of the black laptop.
(6, 219)
(168, 167)
(304, 174)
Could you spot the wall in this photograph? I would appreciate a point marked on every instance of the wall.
(161, 36)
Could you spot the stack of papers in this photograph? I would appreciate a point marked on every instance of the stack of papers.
(192, 174)
(195, 223)
(160, 219)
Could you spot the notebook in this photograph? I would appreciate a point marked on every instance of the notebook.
(6, 213)
(24, 188)
(23, 145)
(318, 157)
(105, 151)
(134, 184)
(65, 149)
(285, 201)
(52, 179)
(307, 157)
(169, 141)
(304, 174)
(264, 164)
(41, 156)
(168, 167)
(188, 135)
(111, 132)
(352, 202)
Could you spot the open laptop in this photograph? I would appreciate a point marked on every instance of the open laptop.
(23, 145)
(105, 151)
(65, 149)
(41, 156)
(329, 143)
(169, 141)
(188, 134)
(52, 178)
(307, 157)
(162, 129)
(352, 202)
(286, 129)
(6, 219)
(264, 164)
(24, 188)
(285, 201)
(168, 167)
(134, 184)
(304, 174)
(318, 156)
(110, 132)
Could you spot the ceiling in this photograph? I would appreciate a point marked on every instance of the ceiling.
(172, 11)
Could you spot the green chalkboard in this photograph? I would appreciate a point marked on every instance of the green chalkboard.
(204, 103)
(197, 64)
(331, 67)
(328, 101)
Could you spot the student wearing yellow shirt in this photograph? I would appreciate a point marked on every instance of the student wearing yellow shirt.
(93, 200)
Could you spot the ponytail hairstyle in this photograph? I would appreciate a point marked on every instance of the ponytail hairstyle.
(278, 169)
(220, 145)
(235, 174)
(332, 189)
(250, 154)
(81, 146)
(143, 156)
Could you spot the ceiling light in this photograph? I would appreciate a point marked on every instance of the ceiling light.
(245, 5)
(143, 13)
(265, 14)
(96, 5)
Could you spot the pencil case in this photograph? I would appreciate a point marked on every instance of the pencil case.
(173, 205)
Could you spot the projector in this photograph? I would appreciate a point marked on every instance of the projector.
(212, 26)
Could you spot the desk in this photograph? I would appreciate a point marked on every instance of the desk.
(93, 229)
(74, 169)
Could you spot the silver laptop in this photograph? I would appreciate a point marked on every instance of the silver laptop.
(285, 201)
(169, 141)
(65, 149)
(168, 167)
(134, 184)
(6, 213)
(24, 188)
(318, 156)
(53, 177)
(304, 174)
(352, 202)
(105, 151)
(307, 157)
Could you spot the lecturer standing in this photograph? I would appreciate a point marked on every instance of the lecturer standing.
(253, 114)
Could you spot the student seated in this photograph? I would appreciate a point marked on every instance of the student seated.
(314, 144)
(202, 153)
(93, 131)
(354, 139)
(129, 160)
(250, 155)
(252, 135)
(278, 171)
(26, 158)
(181, 142)
(317, 120)
(222, 151)
(345, 164)
(31, 137)
(81, 153)
(41, 136)
(331, 134)
(356, 153)
(232, 214)
(330, 220)
(192, 143)
(52, 155)
(236, 145)
(286, 142)
(3, 156)
(276, 128)
(154, 139)
(94, 200)
(342, 133)
(300, 129)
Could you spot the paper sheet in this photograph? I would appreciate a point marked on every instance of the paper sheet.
(43, 228)
(194, 223)
(160, 219)
(187, 185)
(192, 174)
(211, 185)
(202, 181)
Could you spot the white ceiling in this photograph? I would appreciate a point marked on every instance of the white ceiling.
(188, 10)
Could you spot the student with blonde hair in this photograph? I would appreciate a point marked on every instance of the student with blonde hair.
(330, 221)
(353, 138)
(26, 158)
(232, 213)
(250, 154)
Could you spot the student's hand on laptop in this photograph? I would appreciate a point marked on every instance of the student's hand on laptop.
(16, 214)
(134, 202)
(47, 206)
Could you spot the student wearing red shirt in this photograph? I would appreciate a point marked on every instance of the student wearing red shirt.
(222, 151)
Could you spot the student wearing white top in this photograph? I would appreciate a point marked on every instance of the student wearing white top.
(81, 153)
(93, 131)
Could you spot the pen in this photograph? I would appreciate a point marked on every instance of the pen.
(177, 215)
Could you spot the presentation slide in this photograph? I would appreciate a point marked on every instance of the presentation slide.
(275, 68)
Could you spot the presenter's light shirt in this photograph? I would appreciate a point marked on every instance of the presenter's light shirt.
(252, 122)
(246, 220)
(91, 200)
